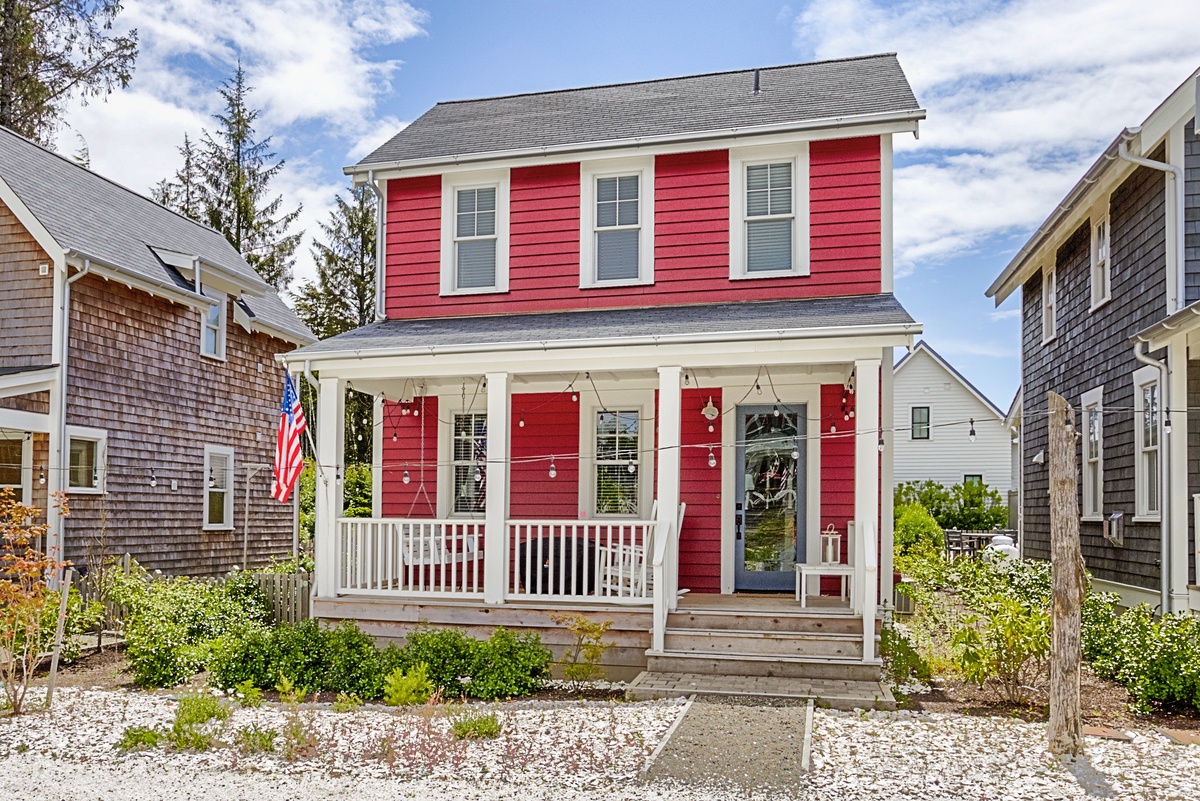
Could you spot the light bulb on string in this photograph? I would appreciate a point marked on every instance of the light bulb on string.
(478, 475)
(338, 475)
(1167, 422)
(406, 477)
(712, 457)
(757, 388)
(212, 480)
(41, 475)
(416, 410)
(880, 446)
(153, 478)
(95, 476)
(631, 467)
(521, 422)
(971, 433)
(795, 453)
(775, 410)
(833, 428)
(393, 435)
(360, 437)
(553, 469)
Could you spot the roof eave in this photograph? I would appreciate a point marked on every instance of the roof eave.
(1158, 335)
(912, 116)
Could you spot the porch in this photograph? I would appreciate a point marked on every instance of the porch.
(632, 478)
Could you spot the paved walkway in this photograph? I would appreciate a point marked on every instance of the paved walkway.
(835, 693)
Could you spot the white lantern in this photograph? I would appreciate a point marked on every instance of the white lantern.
(831, 546)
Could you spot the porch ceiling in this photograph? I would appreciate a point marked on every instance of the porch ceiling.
(849, 316)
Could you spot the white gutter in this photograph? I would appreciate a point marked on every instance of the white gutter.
(380, 250)
(171, 292)
(779, 335)
(1164, 464)
(1178, 253)
(854, 120)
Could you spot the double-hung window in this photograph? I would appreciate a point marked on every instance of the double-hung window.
(1093, 454)
(920, 422)
(1049, 303)
(86, 449)
(618, 462)
(616, 222)
(1147, 435)
(475, 233)
(15, 466)
(212, 330)
(1101, 261)
(218, 487)
(768, 212)
(469, 457)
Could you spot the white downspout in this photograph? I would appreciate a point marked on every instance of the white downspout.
(1164, 463)
(58, 484)
(380, 249)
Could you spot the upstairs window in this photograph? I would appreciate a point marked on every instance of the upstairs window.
(768, 225)
(475, 233)
(1049, 304)
(920, 422)
(1101, 273)
(470, 463)
(617, 222)
(212, 332)
(1093, 454)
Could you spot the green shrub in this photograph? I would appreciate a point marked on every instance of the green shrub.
(300, 651)
(580, 662)
(244, 657)
(410, 688)
(248, 695)
(196, 710)
(1011, 644)
(353, 664)
(346, 702)
(137, 738)
(967, 507)
(916, 532)
(509, 665)
(448, 655)
(189, 738)
(929, 494)
(1157, 659)
(901, 661)
(476, 727)
(253, 740)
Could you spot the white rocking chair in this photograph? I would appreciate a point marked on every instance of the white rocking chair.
(626, 571)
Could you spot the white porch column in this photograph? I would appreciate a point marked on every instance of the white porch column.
(1177, 474)
(670, 401)
(866, 460)
(495, 535)
(331, 433)
(886, 477)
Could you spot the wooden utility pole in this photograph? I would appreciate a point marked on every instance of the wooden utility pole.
(1066, 563)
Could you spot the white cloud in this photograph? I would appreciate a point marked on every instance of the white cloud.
(1022, 96)
(1006, 314)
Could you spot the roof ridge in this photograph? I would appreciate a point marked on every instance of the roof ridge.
(115, 183)
(663, 80)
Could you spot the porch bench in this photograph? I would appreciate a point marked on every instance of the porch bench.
(845, 574)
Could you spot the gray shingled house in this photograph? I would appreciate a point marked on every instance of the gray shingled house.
(137, 372)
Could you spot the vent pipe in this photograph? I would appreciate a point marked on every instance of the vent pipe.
(756, 89)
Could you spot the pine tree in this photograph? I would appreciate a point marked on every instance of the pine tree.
(343, 296)
(185, 193)
(51, 50)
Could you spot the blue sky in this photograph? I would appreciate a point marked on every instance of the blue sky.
(1021, 97)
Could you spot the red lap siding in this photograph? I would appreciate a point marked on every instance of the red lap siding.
(551, 429)
(700, 489)
(837, 467)
(414, 212)
(407, 500)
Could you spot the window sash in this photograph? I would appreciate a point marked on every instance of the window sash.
(920, 422)
(1148, 466)
(12, 456)
(218, 486)
(617, 225)
(84, 469)
(1049, 301)
(468, 455)
(475, 237)
(769, 217)
(214, 320)
(1093, 475)
(1100, 256)
(617, 438)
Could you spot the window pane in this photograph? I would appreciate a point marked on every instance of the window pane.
(1150, 416)
(214, 315)
(781, 176)
(781, 201)
(485, 223)
(83, 463)
(210, 341)
(1093, 449)
(470, 495)
(606, 214)
(466, 225)
(477, 263)
(218, 471)
(616, 490)
(768, 245)
(466, 201)
(920, 422)
(617, 255)
(757, 176)
(758, 203)
(627, 212)
(216, 507)
(1150, 466)
(606, 190)
(485, 199)
(628, 187)
(10, 463)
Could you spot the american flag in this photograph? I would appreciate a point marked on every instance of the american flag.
(289, 458)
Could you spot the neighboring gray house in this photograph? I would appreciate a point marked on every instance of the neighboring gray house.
(947, 430)
(1110, 298)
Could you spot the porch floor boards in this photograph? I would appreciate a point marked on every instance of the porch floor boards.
(835, 693)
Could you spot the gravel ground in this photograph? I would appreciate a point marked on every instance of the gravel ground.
(580, 752)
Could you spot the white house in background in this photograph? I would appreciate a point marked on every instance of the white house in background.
(936, 409)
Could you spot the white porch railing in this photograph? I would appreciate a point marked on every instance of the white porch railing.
(410, 557)
(575, 560)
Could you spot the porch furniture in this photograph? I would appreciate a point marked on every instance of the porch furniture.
(625, 570)
(422, 546)
(844, 573)
(550, 567)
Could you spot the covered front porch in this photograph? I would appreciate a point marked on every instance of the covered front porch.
(626, 472)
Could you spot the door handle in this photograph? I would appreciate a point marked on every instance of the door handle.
(739, 519)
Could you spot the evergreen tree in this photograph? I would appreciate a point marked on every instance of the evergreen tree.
(186, 192)
(51, 50)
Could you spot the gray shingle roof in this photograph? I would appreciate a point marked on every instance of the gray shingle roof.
(576, 326)
(88, 213)
(692, 104)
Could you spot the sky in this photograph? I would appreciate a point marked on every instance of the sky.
(1021, 97)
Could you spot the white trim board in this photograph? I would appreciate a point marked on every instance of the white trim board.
(1130, 595)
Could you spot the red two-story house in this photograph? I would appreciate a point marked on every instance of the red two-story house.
(634, 360)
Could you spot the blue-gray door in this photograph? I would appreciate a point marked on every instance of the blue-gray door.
(769, 530)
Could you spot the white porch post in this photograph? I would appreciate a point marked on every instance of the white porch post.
(886, 478)
(331, 423)
(1177, 474)
(495, 536)
(670, 401)
(867, 462)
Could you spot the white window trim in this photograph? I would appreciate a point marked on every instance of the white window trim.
(223, 450)
(739, 159)
(589, 405)
(451, 183)
(1143, 377)
(1049, 301)
(26, 484)
(589, 171)
(1092, 399)
(98, 436)
(1100, 219)
(928, 423)
(221, 300)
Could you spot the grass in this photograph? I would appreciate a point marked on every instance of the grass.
(196, 710)
(253, 740)
(477, 727)
(138, 738)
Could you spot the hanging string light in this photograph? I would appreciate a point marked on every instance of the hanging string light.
(406, 477)
(41, 475)
(880, 445)
(521, 423)
(757, 387)
(631, 467)
(212, 479)
(553, 469)
(1166, 421)
(971, 433)
(153, 478)
(478, 474)
(796, 452)
(775, 410)
(337, 475)
(712, 457)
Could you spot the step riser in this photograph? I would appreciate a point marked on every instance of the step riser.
(845, 704)
(827, 624)
(677, 663)
(778, 645)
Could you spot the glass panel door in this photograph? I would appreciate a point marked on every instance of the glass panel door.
(769, 531)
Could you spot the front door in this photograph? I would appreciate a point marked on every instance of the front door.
(769, 532)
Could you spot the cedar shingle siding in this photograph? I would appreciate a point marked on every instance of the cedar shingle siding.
(25, 327)
(1094, 349)
(1191, 206)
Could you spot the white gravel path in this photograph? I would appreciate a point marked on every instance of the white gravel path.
(560, 752)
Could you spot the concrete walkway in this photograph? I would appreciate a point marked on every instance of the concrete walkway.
(835, 693)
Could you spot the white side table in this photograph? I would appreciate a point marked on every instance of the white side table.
(845, 574)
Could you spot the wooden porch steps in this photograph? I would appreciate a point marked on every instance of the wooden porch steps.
(763, 643)
(789, 667)
(835, 693)
(769, 620)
